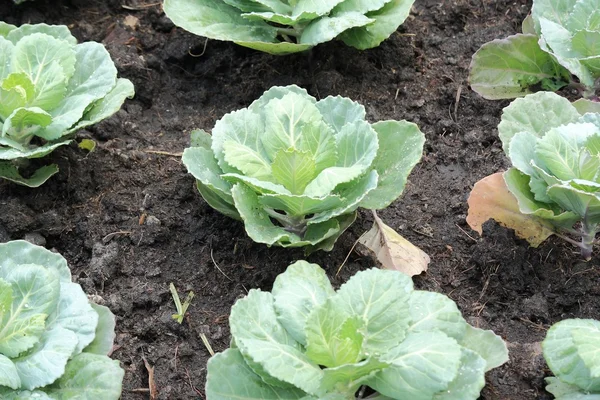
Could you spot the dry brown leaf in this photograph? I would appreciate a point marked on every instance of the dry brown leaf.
(491, 199)
(393, 251)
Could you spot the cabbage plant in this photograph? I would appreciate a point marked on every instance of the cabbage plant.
(555, 177)
(571, 349)
(53, 341)
(290, 26)
(559, 41)
(295, 169)
(304, 340)
(50, 87)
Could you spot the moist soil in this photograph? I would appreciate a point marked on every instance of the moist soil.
(129, 221)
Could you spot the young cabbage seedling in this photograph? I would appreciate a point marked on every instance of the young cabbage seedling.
(571, 349)
(558, 47)
(284, 27)
(50, 87)
(304, 340)
(555, 178)
(295, 169)
(181, 308)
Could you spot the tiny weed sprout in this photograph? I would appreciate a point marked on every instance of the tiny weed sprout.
(284, 27)
(295, 169)
(53, 341)
(554, 183)
(50, 87)
(571, 350)
(306, 341)
(181, 308)
(559, 41)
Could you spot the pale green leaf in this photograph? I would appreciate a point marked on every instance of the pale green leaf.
(357, 147)
(217, 20)
(10, 172)
(74, 313)
(360, 6)
(283, 362)
(380, 298)
(247, 160)
(352, 194)
(387, 20)
(104, 107)
(285, 119)
(324, 29)
(260, 187)
(35, 292)
(557, 41)
(584, 106)
(278, 6)
(16, 90)
(559, 149)
(581, 202)
(514, 67)
(297, 291)
(278, 92)
(61, 32)
(280, 49)
(243, 127)
(246, 385)
(469, 381)
(105, 332)
(347, 378)
(8, 373)
(6, 49)
(8, 153)
(256, 221)
(23, 123)
(201, 163)
(435, 311)
(487, 344)
(339, 111)
(46, 361)
(555, 10)
(200, 138)
(400, 149)
(294, 169)
(587, 342)
(18, 252)
(89, 377)
(424, 364)
(218, 200)
(535, 114)
(563, 391)
(247, 5)
(300, 206)
(560, 352)
(318, 140)
(315, 8)
(332, 336)
(49, 63)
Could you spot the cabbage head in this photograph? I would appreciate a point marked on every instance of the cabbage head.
(295, 169)
(50, 87)
(53, 341)
(560, 40)
(304, 340)
(555, 153)
(290, 26)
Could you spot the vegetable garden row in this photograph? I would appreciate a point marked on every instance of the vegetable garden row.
(295, 168)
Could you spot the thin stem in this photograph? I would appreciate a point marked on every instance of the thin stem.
(288, 32)
(296, 225)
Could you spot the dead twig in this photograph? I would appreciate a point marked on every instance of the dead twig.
(151, 384)
(163, 153)
(140, 7)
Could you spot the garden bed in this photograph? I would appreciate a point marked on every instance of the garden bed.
(129, 221)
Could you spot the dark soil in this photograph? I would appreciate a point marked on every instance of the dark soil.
(129, 221)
